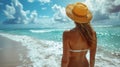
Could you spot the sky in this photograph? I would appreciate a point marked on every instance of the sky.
(51, 13)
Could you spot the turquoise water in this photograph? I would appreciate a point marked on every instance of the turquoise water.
(44, 34)
(45, 46)
(109, 37)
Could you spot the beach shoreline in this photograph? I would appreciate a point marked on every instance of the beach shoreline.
(45, 53)
(12, 53)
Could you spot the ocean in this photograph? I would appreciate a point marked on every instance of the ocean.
(45, 45)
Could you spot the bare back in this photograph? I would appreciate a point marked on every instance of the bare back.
(74, 40)
(77, 42)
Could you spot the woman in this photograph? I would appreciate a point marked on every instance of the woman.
(77, 41)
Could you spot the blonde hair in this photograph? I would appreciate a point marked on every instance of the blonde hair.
(86, 31)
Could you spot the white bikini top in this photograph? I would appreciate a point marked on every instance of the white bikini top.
(78, 50)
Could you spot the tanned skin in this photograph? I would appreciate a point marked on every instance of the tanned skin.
(73, 40)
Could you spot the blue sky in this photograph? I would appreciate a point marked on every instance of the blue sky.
(45, 13)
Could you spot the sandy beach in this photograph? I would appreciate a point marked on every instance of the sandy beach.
(11, 53)
(25, 51)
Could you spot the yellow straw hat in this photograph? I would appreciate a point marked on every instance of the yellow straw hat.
(79, 13)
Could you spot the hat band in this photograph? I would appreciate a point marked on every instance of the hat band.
(78, 15)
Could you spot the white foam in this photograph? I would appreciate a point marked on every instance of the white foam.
(48, 53)
(40, 31)
(47, 30)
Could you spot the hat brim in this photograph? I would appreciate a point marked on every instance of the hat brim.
(75, 18)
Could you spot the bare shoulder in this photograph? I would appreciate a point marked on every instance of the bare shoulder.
(66, 32)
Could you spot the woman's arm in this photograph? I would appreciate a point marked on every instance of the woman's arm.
(65, 56)
(93, 51)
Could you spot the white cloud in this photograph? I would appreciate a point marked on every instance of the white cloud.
(44, 8)
(117, 2)
(44, 1)
(10, 11)
(71, 1)
(41, 1)
(60, 14)
(104, 9)
(44, 16)
(16, 15)
(104, 6)
(33, 17)
(30, 1)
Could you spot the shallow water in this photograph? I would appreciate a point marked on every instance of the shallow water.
(45, 46)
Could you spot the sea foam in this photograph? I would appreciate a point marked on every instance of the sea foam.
(43, 53)
(45, 31)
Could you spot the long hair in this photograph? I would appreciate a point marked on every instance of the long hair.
(86, 31)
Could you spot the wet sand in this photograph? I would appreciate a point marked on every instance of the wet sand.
(12, 53)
